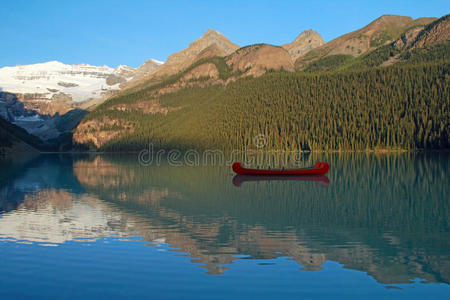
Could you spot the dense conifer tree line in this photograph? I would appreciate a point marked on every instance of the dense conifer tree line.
(398, 107)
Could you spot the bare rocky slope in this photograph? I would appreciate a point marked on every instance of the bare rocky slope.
(212, 43)
(181, 60)
(436, 32)
(382, 31)
(144, 70)
(255, 60)
(199, 64)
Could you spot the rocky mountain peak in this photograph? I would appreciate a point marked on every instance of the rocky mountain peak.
(210, 37)
(211, 33)
(184, 58)
(304, 42)
(306, 34)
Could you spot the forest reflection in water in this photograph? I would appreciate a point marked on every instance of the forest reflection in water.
(386, 215)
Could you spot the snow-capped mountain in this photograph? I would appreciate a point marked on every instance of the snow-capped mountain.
(79, 82)
(36, 96)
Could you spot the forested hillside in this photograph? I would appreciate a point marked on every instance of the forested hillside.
(398, 107)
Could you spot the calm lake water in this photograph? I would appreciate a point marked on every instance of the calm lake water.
(74, 226)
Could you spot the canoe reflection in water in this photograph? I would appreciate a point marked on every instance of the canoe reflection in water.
(322, 180)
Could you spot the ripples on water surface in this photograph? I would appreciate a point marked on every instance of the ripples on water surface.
(103, 226)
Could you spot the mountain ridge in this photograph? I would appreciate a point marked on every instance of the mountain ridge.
(382, 30)
(182, 59)
(304, 42)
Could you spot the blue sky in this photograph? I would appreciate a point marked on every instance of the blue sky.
(110, 32)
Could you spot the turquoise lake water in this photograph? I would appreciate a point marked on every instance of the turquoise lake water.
(104, 226)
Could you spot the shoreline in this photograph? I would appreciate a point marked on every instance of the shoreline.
(258, 151)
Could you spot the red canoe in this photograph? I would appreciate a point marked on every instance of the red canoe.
(320, 168)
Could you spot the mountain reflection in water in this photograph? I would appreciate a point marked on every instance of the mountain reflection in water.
(385, 215)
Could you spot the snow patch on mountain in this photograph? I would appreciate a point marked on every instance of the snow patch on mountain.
(157, 61)
(81, 82)
(33, 118)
